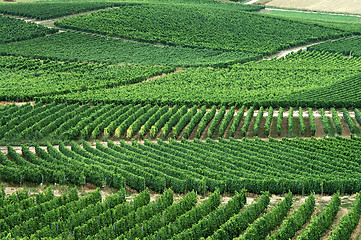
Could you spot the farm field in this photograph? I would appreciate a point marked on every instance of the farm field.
(53, 122)
(349, 46)
(221, 33)
(344, 22)
(302, 78)
(77, 46)
(179, 119)
(300, 165)
(173, 216)
(346, 6)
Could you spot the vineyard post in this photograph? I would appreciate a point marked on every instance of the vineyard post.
(42, 180)
(64, 180)
(21, 179)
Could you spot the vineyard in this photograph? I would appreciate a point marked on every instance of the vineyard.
(53, 122)
(48, 10)
(77, 46)
(90, 217)
(15, 30)
(226, 30)
(300, 79)
(346, 46)
(178, 119)
(301, 166)
(25, 78)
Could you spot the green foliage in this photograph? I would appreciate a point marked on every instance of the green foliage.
(295, 221)
(336, 121)
(205, 120)
(349, 222)
(269, 118)
(301, 121)
(350, 122)
(225, 122)
(216, 121)
(13, 30)
(214, 220)
(322, 222)
(247, 121)
(194, 121)
(290, 122)
(302, 79)
(236, 121)
(77, 46)
(29, 78)
(257, 121)
(47, 10)
(239, 222)
(279, 121)
(214, 28)
(269, 221)
(311, 120)
(183, 121)
(325, 122)
(345, 46)
(187, 220)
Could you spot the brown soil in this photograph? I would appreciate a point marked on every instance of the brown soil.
(319, 129)
(345, 129)
(237, 135)
(3, 103)
(261, 132)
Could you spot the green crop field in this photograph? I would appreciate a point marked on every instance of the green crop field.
(178, 119)
(15, 30)
(347, 46)
(85, 47)
(199, 27)
(25, 79)
(51, 122)
(279, 82)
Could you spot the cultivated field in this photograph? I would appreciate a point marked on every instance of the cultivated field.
(179, 119)
(346, 6)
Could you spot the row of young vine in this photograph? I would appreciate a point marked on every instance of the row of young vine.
(69, 122)
(43, 215)
(302, 166)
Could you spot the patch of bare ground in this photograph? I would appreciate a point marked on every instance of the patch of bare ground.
(284, 127)
(273, 128)
(163, 75)
(319, 128)
(345, 129)
(4, 103)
